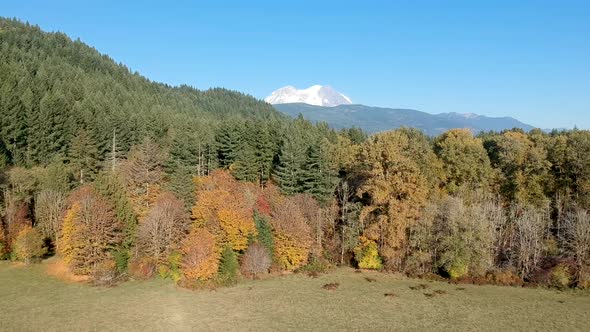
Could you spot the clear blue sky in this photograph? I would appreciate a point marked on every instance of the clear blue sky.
(527, 59)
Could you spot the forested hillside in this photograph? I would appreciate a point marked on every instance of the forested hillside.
(120, 177)
(378, 119)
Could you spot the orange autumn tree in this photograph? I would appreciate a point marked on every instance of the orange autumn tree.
(200, 257)
(90, 232)
(224, 206)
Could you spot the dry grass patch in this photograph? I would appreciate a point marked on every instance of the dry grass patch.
(32, 301)
(56, 267)
(419, 287)
(331, 286)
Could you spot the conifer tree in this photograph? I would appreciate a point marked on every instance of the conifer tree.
(83, 156)
(265, 150)
(228, 140)
(264, 233)
(317, 178)
(288, 171)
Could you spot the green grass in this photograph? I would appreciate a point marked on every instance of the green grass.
(31, 300)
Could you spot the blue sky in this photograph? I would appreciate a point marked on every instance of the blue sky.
(527, 59)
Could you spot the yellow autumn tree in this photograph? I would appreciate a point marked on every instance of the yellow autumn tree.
(68, 243)
(395, 191)
(236, 226)
(29, 245)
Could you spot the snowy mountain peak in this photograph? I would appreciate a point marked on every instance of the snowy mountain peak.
(314, 95)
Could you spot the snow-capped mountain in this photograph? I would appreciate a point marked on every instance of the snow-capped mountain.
(314, 95)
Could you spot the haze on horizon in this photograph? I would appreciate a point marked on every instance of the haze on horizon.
(527, 59)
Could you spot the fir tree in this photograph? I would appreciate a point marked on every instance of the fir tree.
(264, 230)
(228, 267)
(317, 179)
(228, 141)
(83, 156)
(288, 171)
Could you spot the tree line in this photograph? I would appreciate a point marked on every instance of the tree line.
(119, 176)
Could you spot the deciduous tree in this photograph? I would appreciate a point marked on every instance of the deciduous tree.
(163, 228)
(29, 244)
(394, 191)
(200, 257)
(90, 231)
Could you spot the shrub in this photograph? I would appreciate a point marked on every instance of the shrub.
(174, 261)
(315, 266)
(456, 269)
(228, 267)
(142, 268)
(418, 263)
(105, 273)
(121, 257)
(171, 270)
(29, 245)
(504, 277)
(560, 277)
(256, 260)
(367, 255)
(583, 281)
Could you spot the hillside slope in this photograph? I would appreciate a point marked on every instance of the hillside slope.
(52, 88)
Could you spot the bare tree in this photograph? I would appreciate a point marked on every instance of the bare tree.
(49, 207)
(163, 228)
(576, 239)
(530, 229)
(496, 224)
(349, 212)
(256, 260)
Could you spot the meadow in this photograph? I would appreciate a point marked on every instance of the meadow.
(33, 301)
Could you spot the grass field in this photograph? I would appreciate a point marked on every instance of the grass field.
(32, 301)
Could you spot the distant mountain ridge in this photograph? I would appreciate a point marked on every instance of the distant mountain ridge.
(376, 119)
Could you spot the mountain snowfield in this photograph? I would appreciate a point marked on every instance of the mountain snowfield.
(314, 95)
